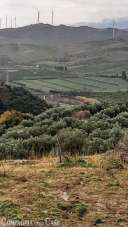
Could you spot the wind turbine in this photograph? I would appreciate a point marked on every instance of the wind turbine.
(11, 23)
(0, 23)
(6, 25)
(15, 21)
(114, 30)
(52, 17)
(38, 16)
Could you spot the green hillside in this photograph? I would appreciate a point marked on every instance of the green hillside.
(83, 49)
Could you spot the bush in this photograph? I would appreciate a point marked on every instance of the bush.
(82, 210)
(112, 162)
(9, 210)
(27, 123)
(12, 118)
(124, 75)
(25, 135)
(122, 119)
(56, 126)
(72, 141)
(38, 146)
(22, 100)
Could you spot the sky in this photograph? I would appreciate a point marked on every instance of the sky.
(65, 11)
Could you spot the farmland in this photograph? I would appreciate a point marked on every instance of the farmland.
(73, 82)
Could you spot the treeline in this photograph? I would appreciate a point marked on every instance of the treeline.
(61, 128)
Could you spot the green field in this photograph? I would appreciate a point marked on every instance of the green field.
(68, 83)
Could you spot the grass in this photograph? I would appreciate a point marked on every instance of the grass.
(10, 210)
(98, 221)
(82, 210)
(80, 163)
(96, 196)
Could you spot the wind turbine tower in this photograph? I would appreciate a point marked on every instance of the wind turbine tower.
(15, 22)
(38, 16)
(52, 17)
(11, 23)
(6, 25)
(7, 77)
(114, 31)
(0, 23)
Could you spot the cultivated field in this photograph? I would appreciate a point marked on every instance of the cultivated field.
(75, 83)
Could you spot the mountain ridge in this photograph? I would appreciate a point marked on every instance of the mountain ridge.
(121, 23)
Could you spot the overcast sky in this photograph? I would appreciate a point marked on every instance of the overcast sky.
(66, 11)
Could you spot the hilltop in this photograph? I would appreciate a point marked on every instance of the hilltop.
(44, 33)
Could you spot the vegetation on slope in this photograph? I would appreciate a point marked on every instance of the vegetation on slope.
(85, 129)
(11, 118)
(83, 48)
(19, 99)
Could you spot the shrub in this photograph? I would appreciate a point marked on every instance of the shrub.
(2, 129)
(27, 123)
(9, 210)
(81, 209)
(122, 119)
(18, 134)
(38, 135)
(72, 141)
(124, 75)
(112, 161)
(98, 221)
(22, 100)
(56, 126)
(36, 131)
(12, 118)
(37, 146)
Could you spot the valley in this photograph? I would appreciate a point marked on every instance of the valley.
(64, 126)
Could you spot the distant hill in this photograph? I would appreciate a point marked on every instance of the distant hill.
(17, 98)
(47, 35)
(121, 23)
(76, 46)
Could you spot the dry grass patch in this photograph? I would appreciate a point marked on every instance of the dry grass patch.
(82, 193)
